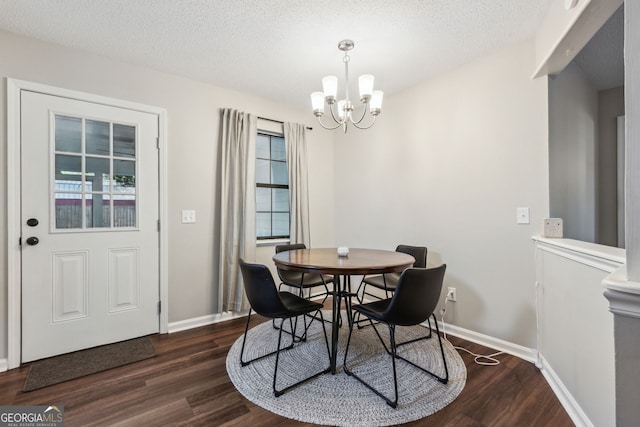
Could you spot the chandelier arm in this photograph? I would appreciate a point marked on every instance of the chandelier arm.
(328, 127)
(365, 127)
(364, 113)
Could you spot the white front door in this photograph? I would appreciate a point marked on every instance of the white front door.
(89, 210)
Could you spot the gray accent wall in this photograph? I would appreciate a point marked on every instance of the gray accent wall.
(573, 112)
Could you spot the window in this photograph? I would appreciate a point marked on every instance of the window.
(94, 174)
(272, 188)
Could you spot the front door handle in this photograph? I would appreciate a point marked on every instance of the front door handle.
(32, 241)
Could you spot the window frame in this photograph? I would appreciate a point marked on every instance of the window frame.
(271, 236)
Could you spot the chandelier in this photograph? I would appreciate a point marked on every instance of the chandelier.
(372, 99)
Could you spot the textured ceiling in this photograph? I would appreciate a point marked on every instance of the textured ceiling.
(281, 49)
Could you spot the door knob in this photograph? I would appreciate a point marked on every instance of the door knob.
(33, 241)
(32, 222)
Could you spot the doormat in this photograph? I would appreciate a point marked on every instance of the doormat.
(70, 366)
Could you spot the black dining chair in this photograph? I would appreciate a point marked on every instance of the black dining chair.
(302, 281)
(265, 299)
(414, 301)
(388, 282)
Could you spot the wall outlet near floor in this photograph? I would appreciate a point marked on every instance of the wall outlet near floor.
(451, 294)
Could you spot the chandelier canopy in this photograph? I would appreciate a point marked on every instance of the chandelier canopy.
(372, 99)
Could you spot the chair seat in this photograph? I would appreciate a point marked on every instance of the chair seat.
(297, 306)
(373, 309)
(378, 281)
(293, 278)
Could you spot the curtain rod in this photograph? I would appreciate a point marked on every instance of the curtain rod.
(278, 121)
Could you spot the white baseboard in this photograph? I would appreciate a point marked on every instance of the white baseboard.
(570, 405)
(4, 365)
(567, 401)
(196, 322)
(528, 354)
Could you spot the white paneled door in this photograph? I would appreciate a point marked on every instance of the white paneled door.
(90, 241)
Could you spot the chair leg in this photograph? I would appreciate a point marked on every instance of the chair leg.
(392, 351)
(392, 403)
(280, 392)
(244, 340)
(363, 286)
(426, 337)
(444, 379)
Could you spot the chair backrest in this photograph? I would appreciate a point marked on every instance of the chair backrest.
(418, 252)
(416, 296)
(290, 247)
(261, 290)
(286, 275)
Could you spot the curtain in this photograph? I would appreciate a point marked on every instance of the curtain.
(294, 136)
(237, 225)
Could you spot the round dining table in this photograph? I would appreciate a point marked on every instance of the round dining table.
(356, 262)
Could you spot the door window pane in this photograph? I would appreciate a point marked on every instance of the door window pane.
(68, 134)
(97, 176)
(124, 211)
(68, 210)
(124, 175)
(98, 210)
(97, 136)
(124, 141)
(68, 167)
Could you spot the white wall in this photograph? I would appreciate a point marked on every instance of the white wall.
(573, 120)
(193, 116)
(446, 166)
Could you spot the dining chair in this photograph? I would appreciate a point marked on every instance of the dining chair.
(388, 282)
(302, 281)
(413, 302)
(265, 299)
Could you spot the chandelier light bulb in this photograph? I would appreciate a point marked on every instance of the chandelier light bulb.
(317, 103)
(365, 83)
(330, 88)
(376, 102)
(341, 109)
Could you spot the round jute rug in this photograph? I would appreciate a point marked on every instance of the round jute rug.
(340, 399)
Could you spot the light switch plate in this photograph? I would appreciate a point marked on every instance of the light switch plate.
(523, 216)
(188, 216)
(552, 227)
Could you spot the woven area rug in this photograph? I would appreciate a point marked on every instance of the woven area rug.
(70, 366)
(340, 399)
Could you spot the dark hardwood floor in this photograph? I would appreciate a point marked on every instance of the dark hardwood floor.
(186, 384)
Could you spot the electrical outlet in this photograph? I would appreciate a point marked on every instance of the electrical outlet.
(451, 294)
(188, 216)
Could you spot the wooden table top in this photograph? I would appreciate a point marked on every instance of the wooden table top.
(359, 261)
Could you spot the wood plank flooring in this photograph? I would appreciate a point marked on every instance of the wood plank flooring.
(186, 384)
